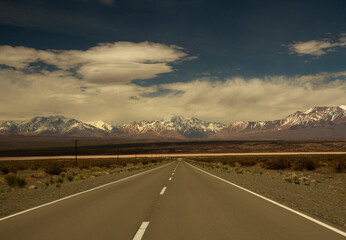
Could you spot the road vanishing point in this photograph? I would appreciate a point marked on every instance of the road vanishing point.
(176, 201)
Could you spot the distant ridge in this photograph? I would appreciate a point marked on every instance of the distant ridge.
(315, 123)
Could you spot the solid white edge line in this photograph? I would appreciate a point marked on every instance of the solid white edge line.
(163, 190)
(170, 179)
(76, 194)
(276, 203)
(141, 231)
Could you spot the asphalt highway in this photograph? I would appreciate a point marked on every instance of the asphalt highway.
(176, 201)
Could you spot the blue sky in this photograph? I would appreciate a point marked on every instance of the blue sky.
(129, 60)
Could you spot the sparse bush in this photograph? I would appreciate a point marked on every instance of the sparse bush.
(4, 170)
(60, 180)
(95, 168)
(340, 166)
(85, 167)
(248, 162)
(296, 180)
(54, 169)
(305, 164)
(13, 180)
(232, 163)
(21, 182)
(21, 168)
(70, 178)
(290, 180)
(277, 164)
(35, 167)
(58, 185)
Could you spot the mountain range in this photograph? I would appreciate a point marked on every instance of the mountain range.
(315, 123)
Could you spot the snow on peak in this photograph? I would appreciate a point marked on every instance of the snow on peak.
(343, 107)
(101, 125)
(310, 110)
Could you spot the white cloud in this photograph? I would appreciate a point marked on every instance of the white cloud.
(110, 63)
(26, 95)
(316, 47)
(256, 99)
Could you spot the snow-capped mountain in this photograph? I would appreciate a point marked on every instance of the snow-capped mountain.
(195, 128)
(101, 125)
(10, 127)
(177, 127)
(317, 122)
(317, 118)
(50, 126)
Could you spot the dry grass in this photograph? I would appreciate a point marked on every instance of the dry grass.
(298, 163)
(41, 174)
(55, 167)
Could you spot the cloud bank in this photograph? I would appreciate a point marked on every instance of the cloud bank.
(95, 84)
(317, 47)
(46, 93)
(106, 63)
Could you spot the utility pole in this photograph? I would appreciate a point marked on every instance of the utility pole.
(75, 150)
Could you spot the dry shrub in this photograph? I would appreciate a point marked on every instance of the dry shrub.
(4, 170)
(13, 180)
(340, 166)
(305, 164)
(248, 162)
(54, 169)
(277, 164)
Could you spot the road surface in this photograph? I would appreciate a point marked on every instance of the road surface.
(168, 155)
(176, 201)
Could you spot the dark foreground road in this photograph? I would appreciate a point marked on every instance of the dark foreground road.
(176, 202)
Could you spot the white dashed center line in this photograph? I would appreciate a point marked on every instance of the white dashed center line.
(170, 179)
(163, 191)
(141, 231)
(172, 173)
